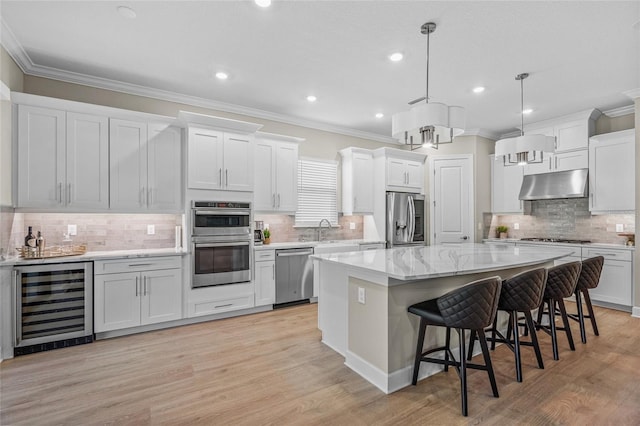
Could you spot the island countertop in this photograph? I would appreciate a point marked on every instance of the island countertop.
(423, 262)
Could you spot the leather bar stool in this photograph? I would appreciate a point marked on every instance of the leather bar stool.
(471, 307)
(561, 282)
(520, 294)
(589, 278)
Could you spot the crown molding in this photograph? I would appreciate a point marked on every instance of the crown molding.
(483, 133)
(619, 112)
(15, 50)
(633, 94)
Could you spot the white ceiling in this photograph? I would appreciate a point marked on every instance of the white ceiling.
(580, 55)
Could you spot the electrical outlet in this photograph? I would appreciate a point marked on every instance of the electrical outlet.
(72, 229)
(352, 225)
(361, 295)
(619, 227)
(516, 226)
(151, 229)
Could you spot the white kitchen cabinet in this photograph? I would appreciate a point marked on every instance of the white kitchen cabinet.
(506, 182)
(357, 181)
(63, 160)
(276, 174)
(616, 279)
(559, 162)
(612, 172)
(265, 277)
(145, 166)
(573, 135)
(135, 292)
(404, 170)
(220, 160)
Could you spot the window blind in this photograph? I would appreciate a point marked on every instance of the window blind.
(317, 192)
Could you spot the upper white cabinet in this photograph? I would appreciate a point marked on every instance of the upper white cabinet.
(505, 187)
(572, 132)
(612, 172)
(145, 166)
(404, 170)
(63, 159)
(276, 173)
(220, 152)
(559, 162)
(357, 181)
(219, 160)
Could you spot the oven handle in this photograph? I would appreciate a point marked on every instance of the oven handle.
(198, 245)
(219, 213)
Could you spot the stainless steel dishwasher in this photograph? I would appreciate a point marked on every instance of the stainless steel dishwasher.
(294, 277)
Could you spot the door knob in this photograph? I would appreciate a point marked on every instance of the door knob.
(464, 238)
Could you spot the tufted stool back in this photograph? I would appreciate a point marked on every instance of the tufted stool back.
(473, 306)
(562, 280)
(524, 291)
(590, 273)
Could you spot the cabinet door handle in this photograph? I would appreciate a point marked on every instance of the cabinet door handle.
(226, 177)
(550, 164)
(141, 196)
(278, 200)
(273, 271)
(69, 193)
(145, 285)
(136, 286)
(148, 196)
(223, 306)
(220, 177)
(556, 163)
(59, 198)
(273, 200)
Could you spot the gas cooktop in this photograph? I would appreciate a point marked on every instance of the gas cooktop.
(555, 240)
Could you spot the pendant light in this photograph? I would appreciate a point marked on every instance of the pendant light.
(428, 123)
(522, 150)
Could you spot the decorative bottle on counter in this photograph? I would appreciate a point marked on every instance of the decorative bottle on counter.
(40, 244)
(30, 243)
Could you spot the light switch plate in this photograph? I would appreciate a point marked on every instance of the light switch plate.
(151, 229)
(619, 227)
(361, 295)
(352, 225)
(516, 226)
(72, 229)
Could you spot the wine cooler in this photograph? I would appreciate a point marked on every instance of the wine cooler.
(54, 306)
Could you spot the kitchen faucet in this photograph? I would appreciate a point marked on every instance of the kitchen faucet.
(320, 228)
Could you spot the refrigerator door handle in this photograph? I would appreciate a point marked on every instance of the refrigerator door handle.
(412, 219)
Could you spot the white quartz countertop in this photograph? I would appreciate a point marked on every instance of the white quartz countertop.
(423, 262)
(96, 255)
(297, 244)
(585, 245)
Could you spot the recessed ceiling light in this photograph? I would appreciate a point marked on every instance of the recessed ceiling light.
(395, 57)
(311, 98)
(478, 89)
(222, 75)
(263, 3)
(379, 115)
(527, 111)
(127, 12)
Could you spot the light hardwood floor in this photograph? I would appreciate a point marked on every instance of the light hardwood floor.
(271, 368)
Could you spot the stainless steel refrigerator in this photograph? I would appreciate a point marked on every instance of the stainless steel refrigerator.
(405, 219)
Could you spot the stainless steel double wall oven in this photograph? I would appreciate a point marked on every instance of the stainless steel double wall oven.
(221, 243)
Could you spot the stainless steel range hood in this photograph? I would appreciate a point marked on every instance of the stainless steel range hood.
(548, 186)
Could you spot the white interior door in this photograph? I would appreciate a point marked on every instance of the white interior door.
(451, 204)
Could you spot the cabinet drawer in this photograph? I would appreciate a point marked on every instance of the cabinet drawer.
(375, 246)
(263, 255)
(210, 307)
(609, 254)
(136, 264)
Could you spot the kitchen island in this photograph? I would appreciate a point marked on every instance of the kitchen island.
(363, 299)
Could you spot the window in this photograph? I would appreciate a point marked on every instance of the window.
(317, 192)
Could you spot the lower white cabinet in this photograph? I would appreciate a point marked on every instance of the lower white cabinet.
(265, 277)
(130, 293)
(616, 280)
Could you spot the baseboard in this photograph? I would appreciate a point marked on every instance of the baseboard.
(635, 312)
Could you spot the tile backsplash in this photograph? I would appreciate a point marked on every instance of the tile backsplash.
(98, 231)
(568, 218)
(282, 230)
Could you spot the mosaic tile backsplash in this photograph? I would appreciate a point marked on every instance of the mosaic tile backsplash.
(568, 219)
(282, 230)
